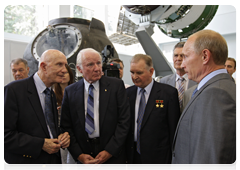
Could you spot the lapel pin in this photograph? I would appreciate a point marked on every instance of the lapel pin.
(159, 103)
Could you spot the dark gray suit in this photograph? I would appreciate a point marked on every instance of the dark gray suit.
(206, 131)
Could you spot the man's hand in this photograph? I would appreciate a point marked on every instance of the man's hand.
(103, 156)
(87, 159)
(51, 146)
(64, 140)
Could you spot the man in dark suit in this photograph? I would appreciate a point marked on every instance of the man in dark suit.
(154, 115)
(95, 112)
(180, 77)
(30, 132)
(206, 132)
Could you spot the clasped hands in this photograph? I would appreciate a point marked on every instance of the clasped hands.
(52, 146)
(102, 157)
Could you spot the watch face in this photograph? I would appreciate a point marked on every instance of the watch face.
(62, 37)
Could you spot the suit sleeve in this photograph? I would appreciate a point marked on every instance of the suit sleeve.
(173, 113)
(66, 125)
(118, 140)
(16, 141)
(214, 128)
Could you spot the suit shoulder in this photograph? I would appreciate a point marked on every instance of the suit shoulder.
(165, 78)
(166, 87)
(18, 83)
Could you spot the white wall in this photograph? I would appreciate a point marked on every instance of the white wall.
(12, 50)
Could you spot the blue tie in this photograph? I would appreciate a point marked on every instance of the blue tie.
(195, 91)
(49, 112)
(141, 110)
(89, 124)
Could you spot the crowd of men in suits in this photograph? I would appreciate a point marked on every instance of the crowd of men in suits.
(187, 118)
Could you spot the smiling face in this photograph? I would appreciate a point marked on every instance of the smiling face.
(91, 66)
(140, 73)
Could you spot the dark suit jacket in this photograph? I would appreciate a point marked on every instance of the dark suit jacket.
(114, 118)
(24, 124)
(206, 132)
(158, 125)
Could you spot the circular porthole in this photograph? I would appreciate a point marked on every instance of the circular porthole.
(63, 37)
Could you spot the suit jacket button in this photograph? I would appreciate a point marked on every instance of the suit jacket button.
(23, 155)
(27, 156)
(30, 156)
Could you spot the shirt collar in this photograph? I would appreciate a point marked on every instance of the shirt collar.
(185, 76)
(209, 76)
(39, 83)
(147, 88)
(95, 85)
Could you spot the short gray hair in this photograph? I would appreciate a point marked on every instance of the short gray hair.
(18, 61)
(81, 53)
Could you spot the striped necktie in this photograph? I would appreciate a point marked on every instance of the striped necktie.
(180, 91)
(89, 124)
(141, 110)
(49, 112)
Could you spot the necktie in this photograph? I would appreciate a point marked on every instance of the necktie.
(180, 91)
(195, 91)
(49, 112)
(141, 111)
(89, 124)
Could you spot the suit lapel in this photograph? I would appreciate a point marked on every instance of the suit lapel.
(132, 101)
(36, 104)
(79, 96)
(104, 94)
(150, 103)
(212, 80)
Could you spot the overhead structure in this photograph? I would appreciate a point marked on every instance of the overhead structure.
(176, 21)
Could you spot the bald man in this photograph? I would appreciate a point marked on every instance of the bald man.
(31, 134)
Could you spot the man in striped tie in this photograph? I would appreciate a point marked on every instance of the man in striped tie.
(180, 78)
(95, 112)
(154, 115)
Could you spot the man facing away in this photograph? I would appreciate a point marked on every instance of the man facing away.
(154, 115)
(95, 112)
(206, 131)
(19, 68)
(180, 78)
(31, 134)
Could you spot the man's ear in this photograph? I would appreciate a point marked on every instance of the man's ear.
(43, 66)
(206, 56)
(79, 69)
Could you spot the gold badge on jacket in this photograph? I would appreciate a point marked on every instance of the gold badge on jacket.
(159, 103)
